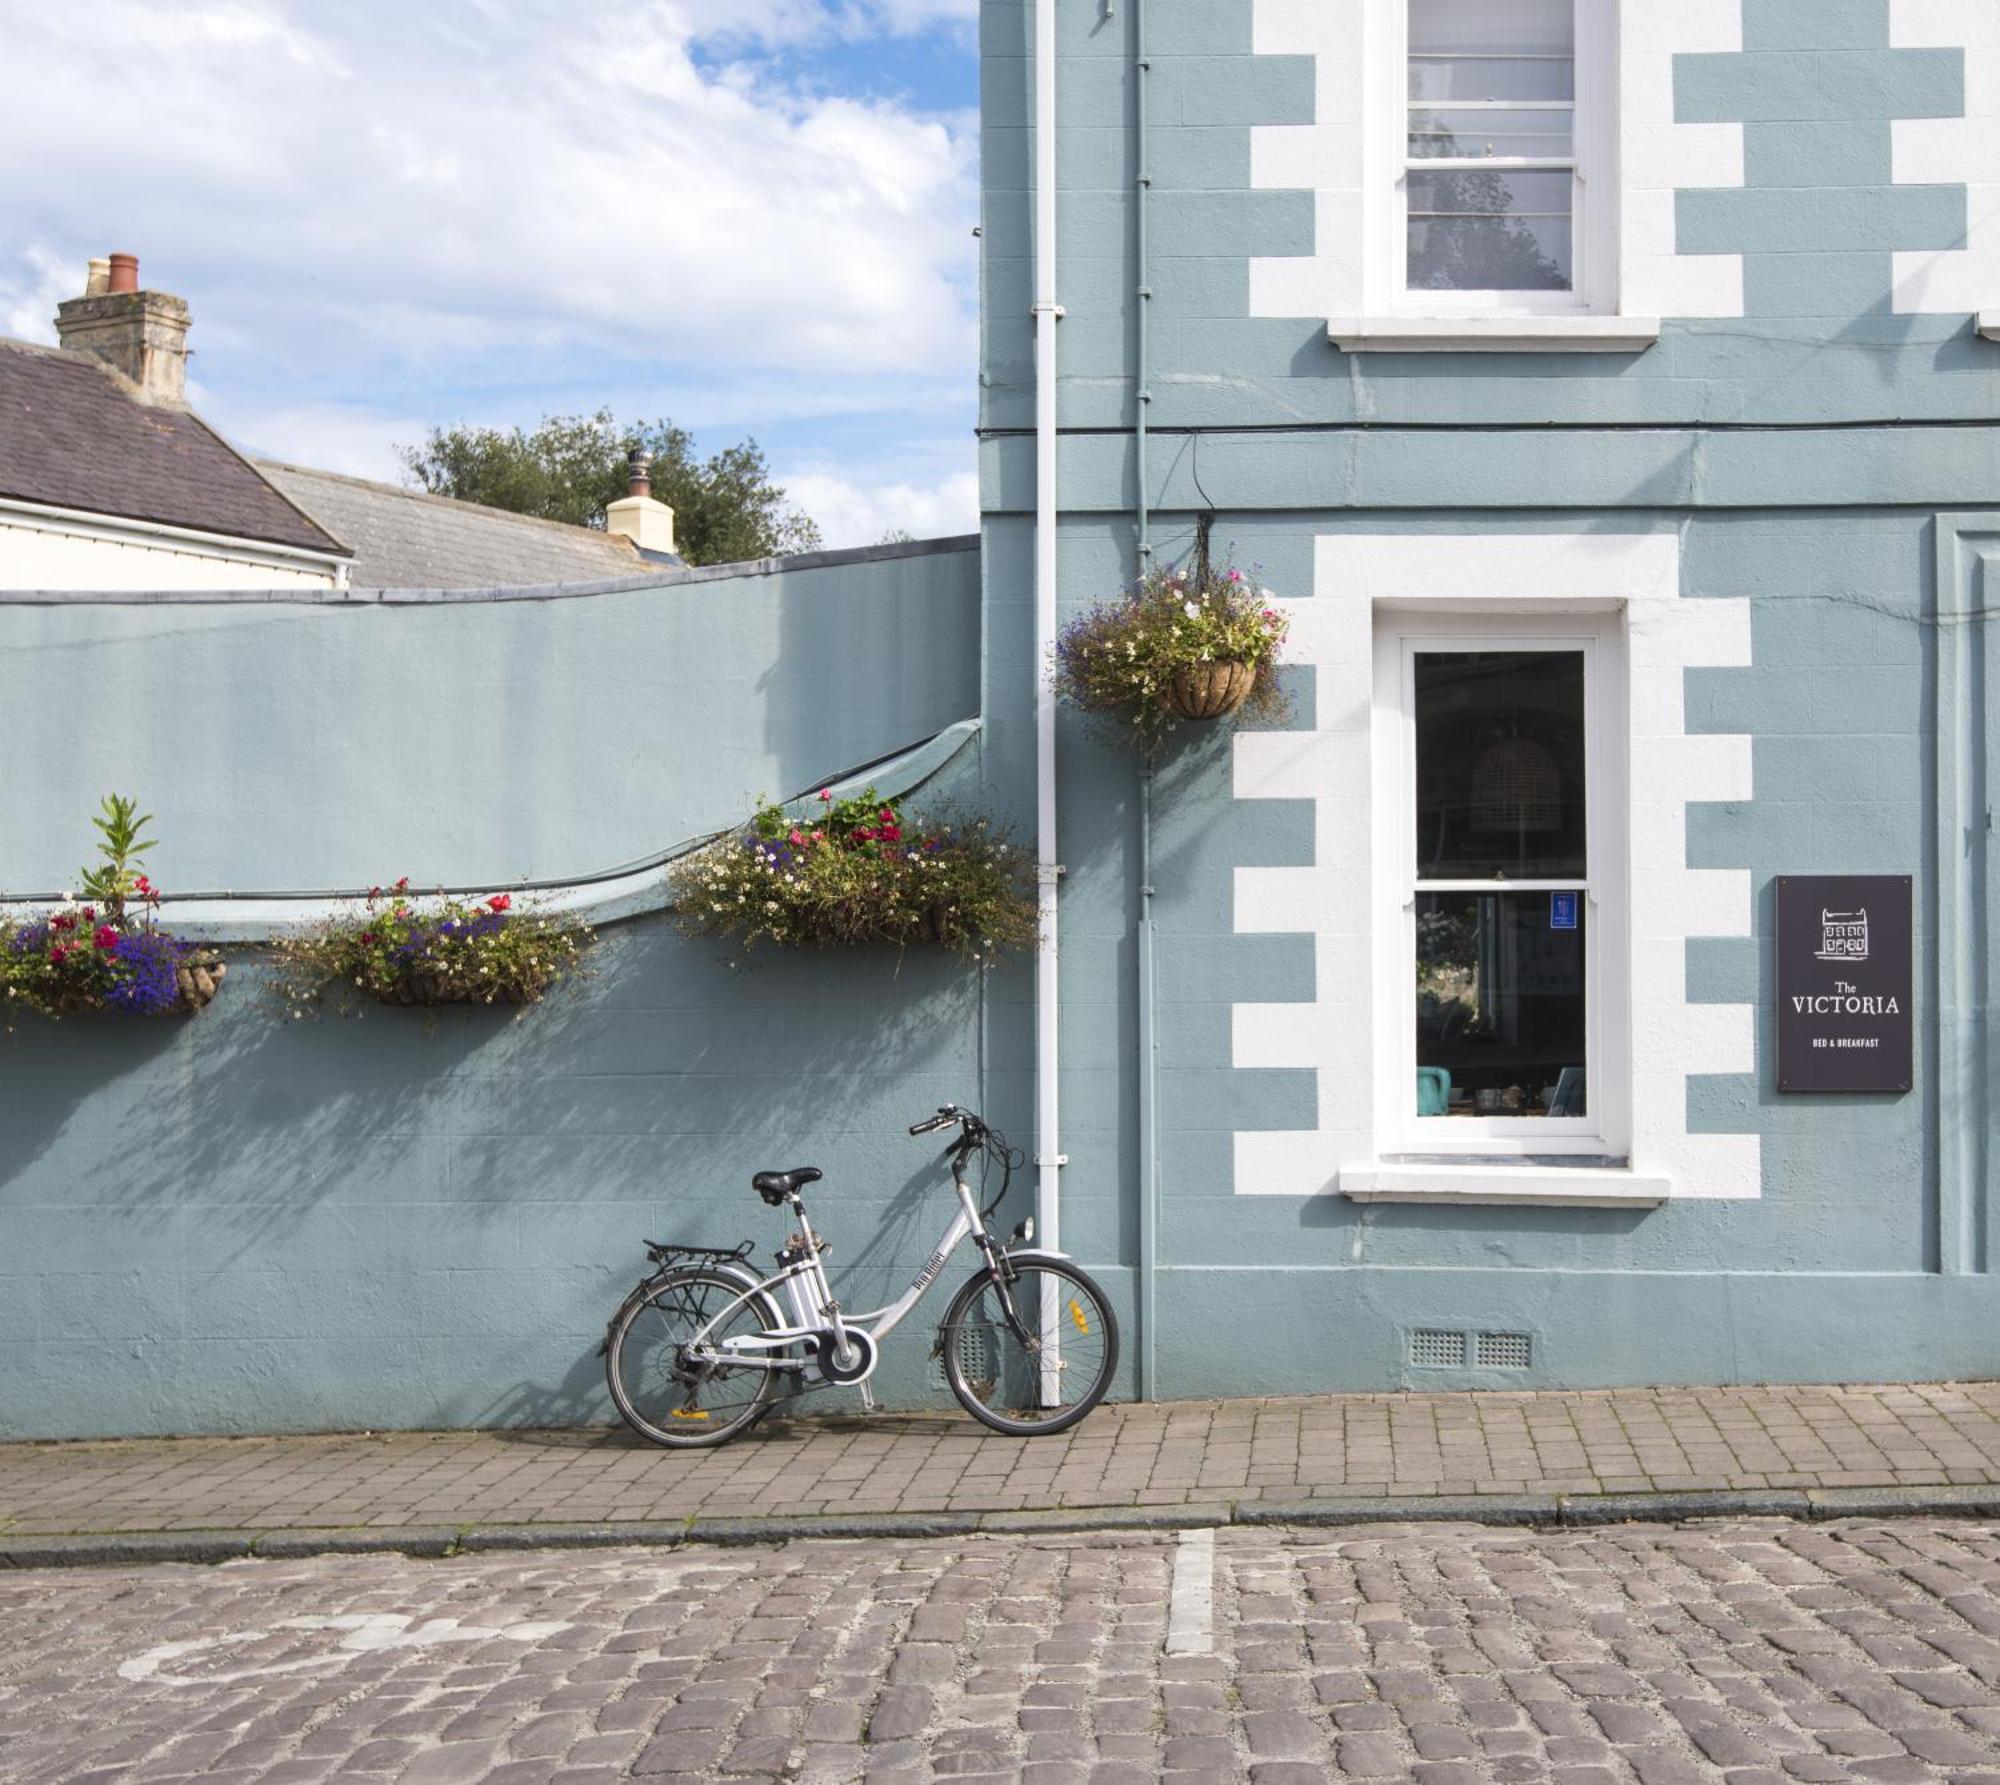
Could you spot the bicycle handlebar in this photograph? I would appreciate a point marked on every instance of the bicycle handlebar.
(948, 1113)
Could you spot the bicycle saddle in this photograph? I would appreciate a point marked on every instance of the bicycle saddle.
(775, 1186)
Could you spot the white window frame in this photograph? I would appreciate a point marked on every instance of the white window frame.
(1385, 208)
(1605, 1131)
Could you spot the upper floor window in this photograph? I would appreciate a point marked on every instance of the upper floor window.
(1501, 179)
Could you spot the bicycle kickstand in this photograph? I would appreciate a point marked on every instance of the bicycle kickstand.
(867, 1398)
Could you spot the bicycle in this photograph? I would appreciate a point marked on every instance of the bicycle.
(696, 1353)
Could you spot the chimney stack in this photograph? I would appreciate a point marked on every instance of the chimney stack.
(648, 524)
(142, 334)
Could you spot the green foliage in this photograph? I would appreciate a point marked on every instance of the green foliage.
(857, 874)
(1117, 660)
(119, 822)
(726, 509)
(401, 949)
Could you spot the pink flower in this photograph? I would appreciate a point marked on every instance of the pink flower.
(825, 797)
(58, 954)
(106, 939)
(798, 838)
(1236, 576)
(403, 885)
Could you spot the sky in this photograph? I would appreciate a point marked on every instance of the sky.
(753, 217)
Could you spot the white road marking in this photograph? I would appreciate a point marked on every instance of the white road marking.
(363, 1635)
(1191, 1610)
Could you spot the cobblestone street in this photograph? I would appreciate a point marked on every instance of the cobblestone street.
(1757, 1652)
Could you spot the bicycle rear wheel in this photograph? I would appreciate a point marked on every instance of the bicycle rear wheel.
(1033, 1356)
(663, 1395)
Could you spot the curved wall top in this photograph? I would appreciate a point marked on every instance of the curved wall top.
(307, 743)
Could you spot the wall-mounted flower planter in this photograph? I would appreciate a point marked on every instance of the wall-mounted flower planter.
(400, 949)
(102, 952)
(859, 874)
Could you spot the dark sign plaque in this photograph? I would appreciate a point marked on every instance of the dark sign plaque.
(1844, 982)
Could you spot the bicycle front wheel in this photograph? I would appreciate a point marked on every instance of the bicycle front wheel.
(662, 1393)
(1031, 1356)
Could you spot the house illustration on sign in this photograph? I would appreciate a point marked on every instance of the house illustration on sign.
(1843, 935)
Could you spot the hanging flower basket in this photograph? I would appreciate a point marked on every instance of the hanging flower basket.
(860, 874)
(1210, 690)
(398, 948)
(1183, 644)
(103, 951)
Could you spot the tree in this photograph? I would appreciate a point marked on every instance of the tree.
(726, 508)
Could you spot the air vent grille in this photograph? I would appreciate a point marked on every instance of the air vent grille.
(1437, 1348)
(1504, 1351)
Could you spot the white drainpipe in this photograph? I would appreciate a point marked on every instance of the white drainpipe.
(1048, 958)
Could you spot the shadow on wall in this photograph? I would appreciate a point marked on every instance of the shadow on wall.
(467, 1188)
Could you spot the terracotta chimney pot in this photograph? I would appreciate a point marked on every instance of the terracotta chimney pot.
(124, 272)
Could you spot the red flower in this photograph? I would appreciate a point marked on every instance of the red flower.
(891, 833)
(403, 885)
(374, 893)
(58, 955)
(106, 939)
(887, 816)
(90, 914)
(367, 938)
(62, 922)
(862, 834)
(500, 902)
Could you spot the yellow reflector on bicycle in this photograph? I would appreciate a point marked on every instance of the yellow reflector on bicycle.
(689, 1413)
(1076, 1314)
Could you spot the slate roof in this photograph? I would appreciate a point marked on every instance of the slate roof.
(73, 434)
(404, 539)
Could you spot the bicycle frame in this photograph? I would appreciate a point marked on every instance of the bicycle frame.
(812, 1300)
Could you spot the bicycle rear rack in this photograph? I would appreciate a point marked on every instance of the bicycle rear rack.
(664, 1253)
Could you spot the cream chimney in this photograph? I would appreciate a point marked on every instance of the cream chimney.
(637, 517)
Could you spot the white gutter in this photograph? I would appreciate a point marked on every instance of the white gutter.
(1048, 957)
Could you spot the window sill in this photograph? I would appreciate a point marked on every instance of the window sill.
(1494, 334)
(1537, 1182)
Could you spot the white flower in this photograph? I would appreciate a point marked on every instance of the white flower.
(69, 898)
(1193, 609)
(1267, 595)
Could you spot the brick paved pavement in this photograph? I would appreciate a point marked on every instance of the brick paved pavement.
(1759, 1653)
(1181, 1453)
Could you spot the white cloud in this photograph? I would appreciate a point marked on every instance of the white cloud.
(377, 209)
(30, 290)
(851, 513)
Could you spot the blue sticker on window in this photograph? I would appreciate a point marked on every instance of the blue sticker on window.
(1562, 911)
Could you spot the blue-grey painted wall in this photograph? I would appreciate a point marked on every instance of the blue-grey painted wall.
(245, 1222)
(1812, 457)
(345, 741)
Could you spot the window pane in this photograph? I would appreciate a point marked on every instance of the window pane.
(1473, 229)
(1500, 1004)
(1473, 135)
(1500, 765)
(1492, 49)
(1498, 27)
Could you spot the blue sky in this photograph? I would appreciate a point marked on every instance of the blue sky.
(753, 216)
